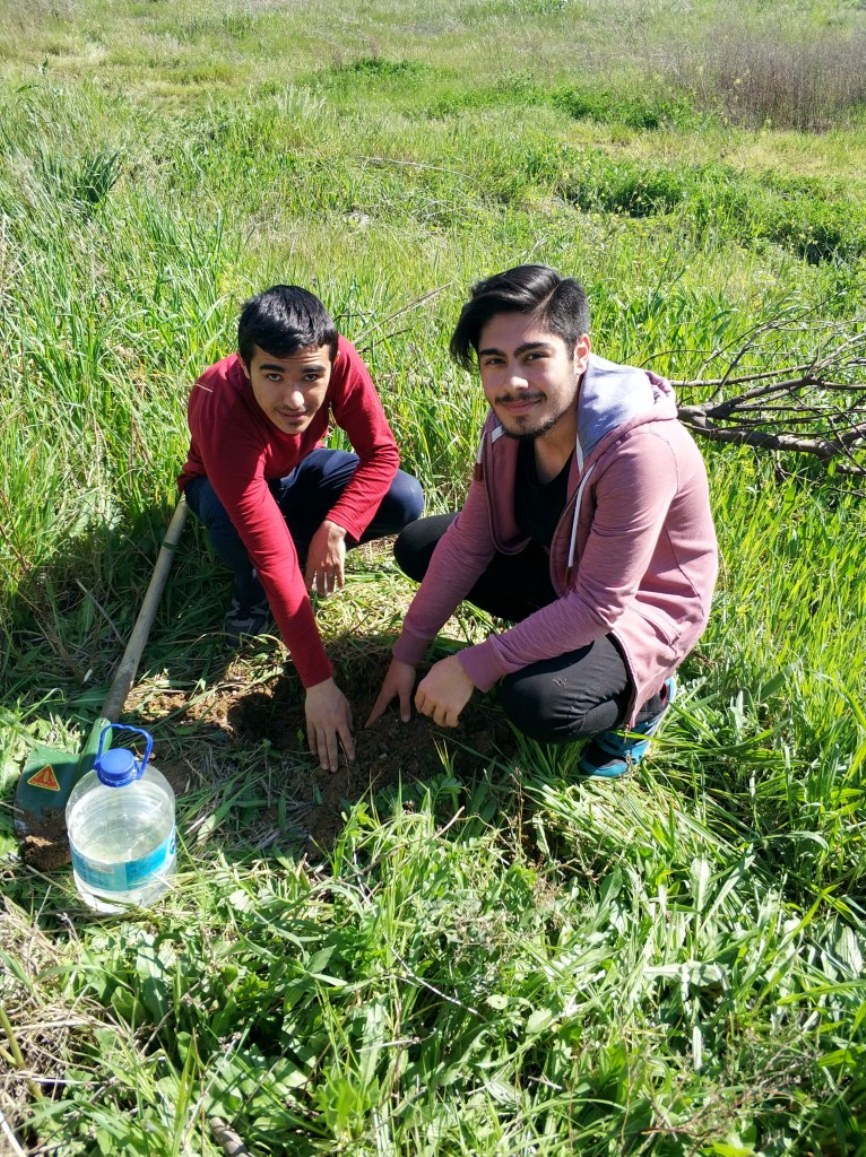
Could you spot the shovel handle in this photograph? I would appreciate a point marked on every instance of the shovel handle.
(124, 676)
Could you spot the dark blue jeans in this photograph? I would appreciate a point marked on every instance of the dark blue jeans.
(304, 497)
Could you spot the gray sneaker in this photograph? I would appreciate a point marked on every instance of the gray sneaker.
(241, 620)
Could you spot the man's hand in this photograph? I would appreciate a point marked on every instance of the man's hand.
(444, 692)
(329, 723)
(397, 684)
(326, 559)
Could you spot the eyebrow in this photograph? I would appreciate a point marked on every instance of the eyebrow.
(280, 369)
(521, 349)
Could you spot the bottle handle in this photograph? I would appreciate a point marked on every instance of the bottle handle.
(140, 764)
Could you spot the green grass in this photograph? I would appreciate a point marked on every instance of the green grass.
(505, 961)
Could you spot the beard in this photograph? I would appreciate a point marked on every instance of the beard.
(544, 427)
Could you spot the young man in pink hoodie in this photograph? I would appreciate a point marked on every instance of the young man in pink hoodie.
(587, 526)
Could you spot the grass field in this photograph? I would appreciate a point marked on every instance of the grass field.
(487, 956)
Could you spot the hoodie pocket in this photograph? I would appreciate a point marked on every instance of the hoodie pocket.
(662, 624)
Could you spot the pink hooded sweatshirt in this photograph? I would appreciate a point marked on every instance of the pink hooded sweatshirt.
(634, 554)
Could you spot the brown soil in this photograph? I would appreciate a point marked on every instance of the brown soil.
(236, 715)
(389, 752)
(43, 840)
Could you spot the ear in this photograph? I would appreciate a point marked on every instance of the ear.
(244, 367)
(581, 354)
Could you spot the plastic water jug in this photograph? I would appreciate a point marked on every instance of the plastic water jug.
(120, 822)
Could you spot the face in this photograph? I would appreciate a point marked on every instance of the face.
(290, 390)
(529, 377)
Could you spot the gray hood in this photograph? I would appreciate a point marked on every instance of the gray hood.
(613, 395)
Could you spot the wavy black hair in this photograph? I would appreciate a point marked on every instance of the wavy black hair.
(558, 302)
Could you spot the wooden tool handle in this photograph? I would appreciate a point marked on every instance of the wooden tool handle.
(124, 676)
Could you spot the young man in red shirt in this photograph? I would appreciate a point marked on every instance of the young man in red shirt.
(281, 510)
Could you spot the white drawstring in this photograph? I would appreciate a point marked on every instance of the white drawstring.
(569, 567)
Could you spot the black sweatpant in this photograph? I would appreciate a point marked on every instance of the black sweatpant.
(571, 696)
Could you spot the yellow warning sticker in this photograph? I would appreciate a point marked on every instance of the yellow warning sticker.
(45, 778)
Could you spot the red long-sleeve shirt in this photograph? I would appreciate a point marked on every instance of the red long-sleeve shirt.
(240, 449)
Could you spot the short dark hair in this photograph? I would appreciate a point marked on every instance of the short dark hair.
(559, 302)
(283, 320)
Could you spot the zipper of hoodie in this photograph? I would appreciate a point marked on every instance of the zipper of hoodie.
(479, 474)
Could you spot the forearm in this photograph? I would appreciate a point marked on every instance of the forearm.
(563, 625)
(461, 556)
(357, 505)
(297, 625)
(274, 556)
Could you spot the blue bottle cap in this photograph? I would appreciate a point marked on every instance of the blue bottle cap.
(117, 767)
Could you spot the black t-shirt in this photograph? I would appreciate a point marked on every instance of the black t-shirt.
(538, 505)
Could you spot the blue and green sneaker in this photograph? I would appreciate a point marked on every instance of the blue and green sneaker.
(613, 753)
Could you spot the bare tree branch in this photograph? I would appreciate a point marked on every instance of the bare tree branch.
(816, 407)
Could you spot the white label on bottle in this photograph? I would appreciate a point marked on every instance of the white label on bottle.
(127, 876)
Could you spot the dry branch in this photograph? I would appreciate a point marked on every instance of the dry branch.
(817, 408)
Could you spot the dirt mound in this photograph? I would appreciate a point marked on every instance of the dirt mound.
(389, 752)
(242, 712)
(197, 731)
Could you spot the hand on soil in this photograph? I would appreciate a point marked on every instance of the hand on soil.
(397, 684)
(329, 724)
(444, 692)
